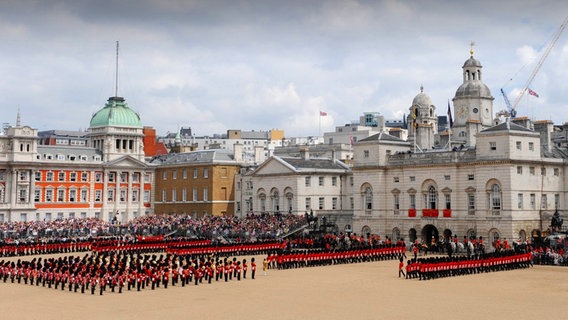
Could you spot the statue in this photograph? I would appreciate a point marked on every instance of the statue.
(556, 222)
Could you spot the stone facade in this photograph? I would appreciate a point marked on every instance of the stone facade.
(47, 182)
(197, 183)
(494, 180)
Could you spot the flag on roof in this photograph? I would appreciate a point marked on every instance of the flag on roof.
(532, 93)
(450, 119)
(323, 113)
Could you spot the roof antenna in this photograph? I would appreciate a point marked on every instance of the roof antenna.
(116, 73)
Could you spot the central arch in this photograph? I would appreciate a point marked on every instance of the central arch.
(412, 235)
(448, 234)
(430, 231)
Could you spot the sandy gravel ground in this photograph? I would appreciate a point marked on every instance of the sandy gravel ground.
(355, 291)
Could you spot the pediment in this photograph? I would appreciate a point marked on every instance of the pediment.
(126, 162)
(274, 165)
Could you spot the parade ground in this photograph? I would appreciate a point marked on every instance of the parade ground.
(353, 291)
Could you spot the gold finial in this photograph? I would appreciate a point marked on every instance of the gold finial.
(471, 48)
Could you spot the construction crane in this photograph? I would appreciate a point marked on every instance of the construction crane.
(510, 112)
(511, 108)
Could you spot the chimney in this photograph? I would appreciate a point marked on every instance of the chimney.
(238, 152)
(544, 128)
(258, 154)
(305, 153)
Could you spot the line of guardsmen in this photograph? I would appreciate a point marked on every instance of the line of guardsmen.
(440, 267)
(318, 257)
(180, 246)
(47, 247)
(118, 271)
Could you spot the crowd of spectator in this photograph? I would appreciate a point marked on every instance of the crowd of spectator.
(253, 226)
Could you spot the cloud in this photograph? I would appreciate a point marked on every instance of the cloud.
(257, 65)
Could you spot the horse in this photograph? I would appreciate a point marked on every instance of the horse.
(433, 247)
(479, 248)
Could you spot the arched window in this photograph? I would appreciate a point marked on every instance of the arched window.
(493, 235)
(432, 198)
(368, 198)
(395, 234)
(365, 231)
(495, 197)
(275, 201)
(522, 236)
(262, 199)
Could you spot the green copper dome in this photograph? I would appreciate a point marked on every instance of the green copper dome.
(116, 113)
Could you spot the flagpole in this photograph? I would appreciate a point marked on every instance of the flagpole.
(319, 128)
(449, 139)
(450, 124)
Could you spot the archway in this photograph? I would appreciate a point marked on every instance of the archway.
(471, 234)
(412, 235)
(395, 234)
(366, 231)
(447, 234)
(494, 235)
(430, 232)
(522, 236)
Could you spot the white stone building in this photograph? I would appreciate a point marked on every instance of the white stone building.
(502, 180)
(106, 179)
(298, 185)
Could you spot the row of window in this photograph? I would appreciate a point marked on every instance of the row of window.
(519, 146)
(470, 177)
(532, 201)
(78, 176)
(493, 145)
(82, 195)
(72, 142)
(556, 171)
(431, 201)
(174, 195)
(275, 204)
(174, 173)
(321, 181)
(70, 157)
(322, 203)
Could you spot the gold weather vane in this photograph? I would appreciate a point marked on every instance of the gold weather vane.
(471, 48)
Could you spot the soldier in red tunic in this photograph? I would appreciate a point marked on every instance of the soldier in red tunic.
(245, 268)
(252, 267)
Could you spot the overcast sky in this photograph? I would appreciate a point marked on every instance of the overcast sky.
(261, 65)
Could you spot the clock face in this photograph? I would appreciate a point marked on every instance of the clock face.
(475, 110)
(462, 112)
(486, 113)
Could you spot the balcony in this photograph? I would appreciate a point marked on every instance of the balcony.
(447, 213)
(430, 213)
(412, 213)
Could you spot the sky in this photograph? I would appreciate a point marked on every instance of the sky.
(263, 65)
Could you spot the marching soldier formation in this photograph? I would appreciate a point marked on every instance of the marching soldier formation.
(99, 273)
(137, 262)
(440, 267)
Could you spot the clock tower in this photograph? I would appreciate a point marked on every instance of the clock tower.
(473, 104)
